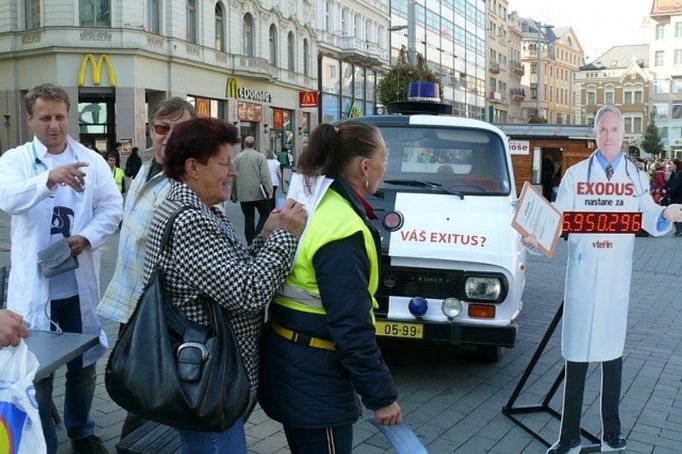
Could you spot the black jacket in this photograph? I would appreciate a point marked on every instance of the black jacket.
(313, 388)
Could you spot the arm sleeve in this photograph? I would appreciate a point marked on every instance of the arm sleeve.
(223, 270)
(652, 213)
(107, 204)
(19, 191)
(265, 172)
(347, 301)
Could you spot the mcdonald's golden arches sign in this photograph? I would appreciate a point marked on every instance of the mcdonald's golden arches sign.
(307, 98)
(96, 65)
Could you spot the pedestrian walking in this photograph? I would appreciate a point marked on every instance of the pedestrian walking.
(320, 348)
(252, 188)
(133, 163)
(57, 190)
(116, 173)
(275, 176)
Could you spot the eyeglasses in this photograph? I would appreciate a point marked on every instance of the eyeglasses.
(162, 129)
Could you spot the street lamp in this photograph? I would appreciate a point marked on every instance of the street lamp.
(538, 42)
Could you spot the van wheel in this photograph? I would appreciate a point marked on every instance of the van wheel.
(490, 353)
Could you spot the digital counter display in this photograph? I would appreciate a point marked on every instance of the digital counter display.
(600, 222)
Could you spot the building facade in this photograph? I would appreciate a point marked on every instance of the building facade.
(353, 55)
(515, 69)
(246, 62)
(551, 56)
(497, 68)
(450, 34)
(665, 57)
(620, 77)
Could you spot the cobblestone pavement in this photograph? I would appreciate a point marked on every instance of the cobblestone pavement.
(453, 401)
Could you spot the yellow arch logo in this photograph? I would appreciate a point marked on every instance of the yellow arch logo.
(231, 89)
(96, 69)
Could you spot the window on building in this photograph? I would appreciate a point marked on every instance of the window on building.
(328, 16)
(345, 22)
(676, 86)
(191, 32)
(154, 16)
(661, 111)
(533, 68)
(608, 97)
(247, 35)
(638, 97)
(219, 26)
(678, 56)
(658, 58)
(661, 86)
(627, 97)
(380, 36)
(306, 57)
(291, 52)
(533, 91)
(357, 23)
(678, 30)
(637, 125)
(660, 31)
(677, 111)
(32, 8)
(628, 125)
(272, 43)
(591, 98)
(94, 13)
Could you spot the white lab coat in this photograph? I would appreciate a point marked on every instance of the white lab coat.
(25, 196)
(597, 289)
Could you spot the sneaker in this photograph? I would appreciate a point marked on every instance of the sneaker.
(613, 442)
(677, 233)
(561, 447)
(91, 444)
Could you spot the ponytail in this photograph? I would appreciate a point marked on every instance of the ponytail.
(331, 148)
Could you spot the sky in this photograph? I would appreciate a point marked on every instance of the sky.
(598, 24)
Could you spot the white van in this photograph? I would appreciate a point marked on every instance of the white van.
(452, 267)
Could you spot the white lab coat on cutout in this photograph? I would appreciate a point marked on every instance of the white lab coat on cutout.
(597, 289)
(25, 196)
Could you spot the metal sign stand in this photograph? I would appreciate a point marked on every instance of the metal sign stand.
(510, 411)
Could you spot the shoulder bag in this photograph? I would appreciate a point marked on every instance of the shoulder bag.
(168, 369)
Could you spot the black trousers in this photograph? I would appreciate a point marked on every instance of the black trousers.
(330, 440)
(248, 208)
(273, 201)
(573, 398)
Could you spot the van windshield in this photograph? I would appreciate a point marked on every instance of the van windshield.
(468, 161)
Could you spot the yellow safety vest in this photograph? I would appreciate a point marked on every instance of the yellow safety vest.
(334, 219)
(118, 178)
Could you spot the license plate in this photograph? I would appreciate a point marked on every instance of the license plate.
(397, 329)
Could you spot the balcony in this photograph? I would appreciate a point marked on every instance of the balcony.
(517, 68)
(518, 94)
(495, 97)
(494, 68)
(359, 50)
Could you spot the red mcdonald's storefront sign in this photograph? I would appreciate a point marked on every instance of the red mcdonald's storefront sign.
(307, 98)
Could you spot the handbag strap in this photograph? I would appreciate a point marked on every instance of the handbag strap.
(168, 230)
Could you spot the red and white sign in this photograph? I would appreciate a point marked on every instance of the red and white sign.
(519, 146)
(307, 98)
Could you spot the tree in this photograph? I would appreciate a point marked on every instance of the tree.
(652, 138)
(535, 118)
(393, 87)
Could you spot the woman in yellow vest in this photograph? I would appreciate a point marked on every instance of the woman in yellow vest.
(320, 351)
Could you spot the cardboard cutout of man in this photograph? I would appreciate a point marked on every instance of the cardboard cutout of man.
(597, 289)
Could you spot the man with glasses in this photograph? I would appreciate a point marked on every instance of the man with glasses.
(146, 192)
(59, 191)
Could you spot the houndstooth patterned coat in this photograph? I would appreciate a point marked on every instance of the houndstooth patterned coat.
(205, 258)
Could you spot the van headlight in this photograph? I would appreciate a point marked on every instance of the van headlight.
(483, 288)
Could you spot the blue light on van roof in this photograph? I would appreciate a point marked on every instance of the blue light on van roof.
(423, 91)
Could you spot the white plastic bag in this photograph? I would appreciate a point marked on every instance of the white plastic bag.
(20, 428)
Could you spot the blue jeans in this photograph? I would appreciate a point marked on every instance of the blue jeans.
(232, 441)
(80, 383)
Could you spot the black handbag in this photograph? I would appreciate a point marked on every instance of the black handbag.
(168, 369)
